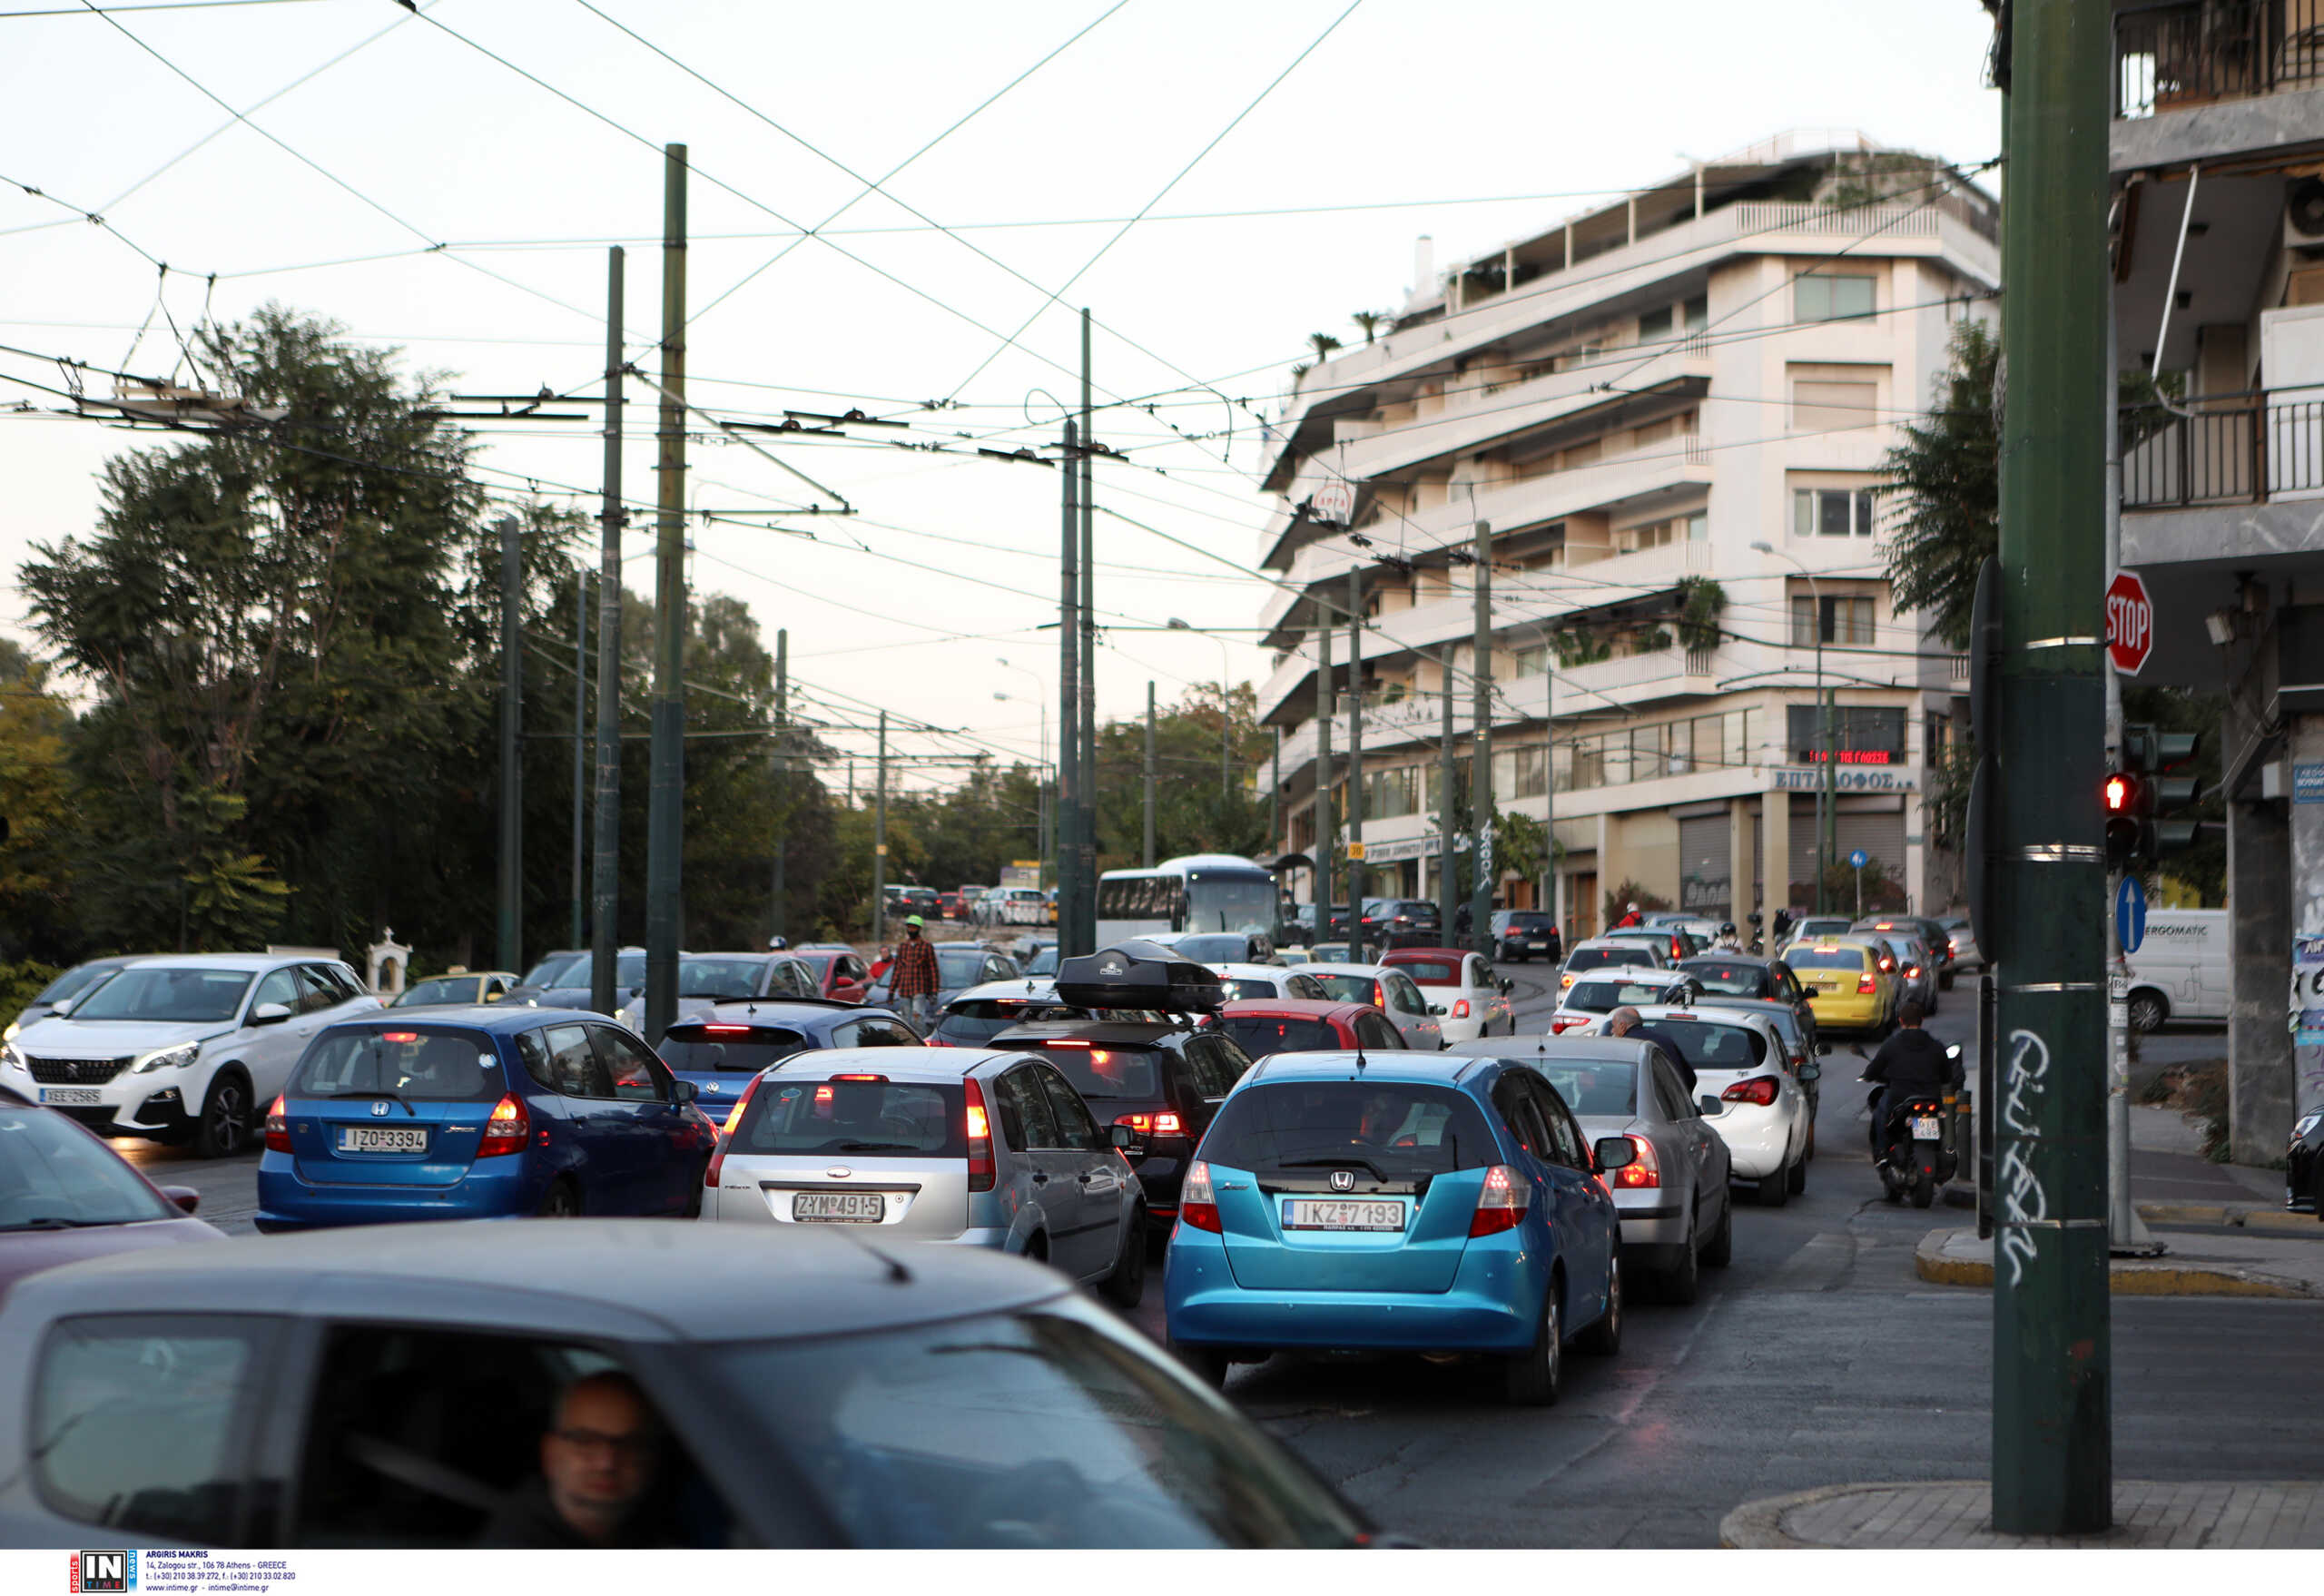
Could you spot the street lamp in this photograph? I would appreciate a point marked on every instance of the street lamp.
(1825, 800)
(1225, 718)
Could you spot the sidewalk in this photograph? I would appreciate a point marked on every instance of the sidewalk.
(1957, 1515)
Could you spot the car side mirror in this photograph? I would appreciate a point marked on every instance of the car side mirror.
(1507, 986)
(186, 1198)
(1824, 1048)
(1120, 1136)
(1811, 1071)
(1436, 1008)
(270, 1014)
(684, 1091)
(1709, 1104)
(1614, 1152)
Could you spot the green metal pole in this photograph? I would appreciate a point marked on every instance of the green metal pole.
(512, 775)
(605, 882)
(2053, 1358)
(1358, 877)
(580, 749)
(880, 844)
(1086, 915)
(665, 792)
(781, 893)
(1148, 854)
(1480, 758)
(1069, 776)
(1324, 827)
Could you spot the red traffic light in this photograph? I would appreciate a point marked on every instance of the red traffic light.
(2121, 793)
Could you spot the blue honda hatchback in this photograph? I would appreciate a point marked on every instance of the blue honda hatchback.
(1397, 1202)
(478, 1113)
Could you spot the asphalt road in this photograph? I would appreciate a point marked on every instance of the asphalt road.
(1818, 1357)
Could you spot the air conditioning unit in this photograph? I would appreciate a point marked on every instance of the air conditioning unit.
(2304, 213)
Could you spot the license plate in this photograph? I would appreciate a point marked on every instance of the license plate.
(1340, 1213)
(382, 1139)
(75, 1097)
(1925, 1128)
(836, 1208)
(1537, 947)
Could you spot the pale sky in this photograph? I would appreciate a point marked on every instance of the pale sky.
(1401, 101)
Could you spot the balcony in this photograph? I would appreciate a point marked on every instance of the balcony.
(2192, 52)
(2234, 449)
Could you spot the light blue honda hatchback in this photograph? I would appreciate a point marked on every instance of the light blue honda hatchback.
(1397, 1202)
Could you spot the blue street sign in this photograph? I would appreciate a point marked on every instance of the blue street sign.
(1860, 859)
(2129, 914)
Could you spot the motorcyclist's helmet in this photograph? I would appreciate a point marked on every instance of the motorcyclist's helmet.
(1727, 928)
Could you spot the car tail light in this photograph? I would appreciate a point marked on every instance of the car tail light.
(980, 1169)
(1759, 1089)
(1069, 1044)
(1887, 965)
(1560, 1027)
(399, 1036)
(1501, 1201)
(858, 1077)
(508, 1130)
(1644, 1169)
(1912, 972)
(1198, 1203)
(1380, 996)
(1163, 1124)
(1864, 986)
(1460, 1007)
(726, 1030)
(278, 1129)
(727, 1133)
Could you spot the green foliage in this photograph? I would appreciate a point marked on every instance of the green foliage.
(1323, 343)
(1576, 648)
(35, 797)
(1945, 478)
(1193, 810)
(21, 982)
(1701, 601)
(1371, 322)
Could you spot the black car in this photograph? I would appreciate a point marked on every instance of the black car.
(1520, 934)
(2304, 1166)
(1384, 915)
(1931, 931)
(1753, 975)
(1301, 929)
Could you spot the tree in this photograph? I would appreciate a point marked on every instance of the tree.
(1193, 815)
(1945, 475)
(1371, 322)
(1323, 343)
(43, 826)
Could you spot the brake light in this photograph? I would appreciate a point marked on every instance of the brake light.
(1071, 1044)
(822, 1094)
(1460, 1007)
(399, 1036)
(727, 1030)
(980, 1170)
(278, 1129)
(1759, 1089)
(858, 1077)
(1912, 972)
(1560, 1027)
(726, 1132)
(1501, 1201)
(1643, 1169)
(1864, 986)
(508, 1130)
(1163, 1124)
(1380, 996)
(1198, 1203)
(1887, 965)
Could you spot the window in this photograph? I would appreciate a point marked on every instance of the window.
(280, 986)
(1843, 621)
(636, 1074)
(436, 1064)
(1654, 325)
(1671, 1093)
(1027, 1119)
(1697, 312)
(566, 1064)
(142, 1423)
(1832, 512)
(1530, 662)
(1831, 296)
(1522, 1115)
(1372, 1032)
(1862, 736)
(1218, 1063)
(1832, 407)
(1076, 1129)
(692, 1048)
(317, 989)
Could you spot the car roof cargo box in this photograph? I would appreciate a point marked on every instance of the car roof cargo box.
(1139, 974)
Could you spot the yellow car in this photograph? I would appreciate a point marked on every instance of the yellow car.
(1845, 986)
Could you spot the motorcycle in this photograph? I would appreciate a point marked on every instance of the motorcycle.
(1917, 1156)
(1754, 919)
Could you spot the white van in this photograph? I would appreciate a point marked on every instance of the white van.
(2179, 971)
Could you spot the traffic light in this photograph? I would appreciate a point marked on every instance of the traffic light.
(2143, 787)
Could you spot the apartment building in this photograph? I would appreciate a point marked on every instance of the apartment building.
(1629, 400)
(2218, 242)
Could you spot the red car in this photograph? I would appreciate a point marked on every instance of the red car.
(65, 1196)
(948, 905)
(1261, 1025)
(840, 976)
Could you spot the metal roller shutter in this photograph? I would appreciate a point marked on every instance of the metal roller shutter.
(1706, 876)
(1880, 835)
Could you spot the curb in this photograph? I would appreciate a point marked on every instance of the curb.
(1757, 1526)
(2125, 1276)
(2241, 1216)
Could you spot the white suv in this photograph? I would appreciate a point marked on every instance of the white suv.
(189, 1049)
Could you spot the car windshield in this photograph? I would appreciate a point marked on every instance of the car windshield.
(552, 970)
(1050, 1426)
(169, 994)
(1211, 949)
(1603, 997)
(1257, 1035)
(443, 988)
(1433, 972)
(1740, 981)
(858, 1117)
(53, 1174)
(73, 982)
(1707, 1045)
(629, 972)
(960, 967)
(1044, 962)
(425, 1064)
(1599, 958)
(719, 977)
(1521, 919)
(1826, 959)
(1106, 1072)
(1594, 1091)
(708, 1048)
(1402, 1130)
(1351, 988)
(1819, 928)
(1238, 903)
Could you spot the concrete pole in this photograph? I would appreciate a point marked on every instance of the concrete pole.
(605, 886)
(580, 749)
(779, 922)
(512, 775)
(1324, 822)
(1550, 880)
(1067, 830)
(1480, 773)
(1358, 876)
(665, 801)
(880, 844)
(1447, 878)
(1088, 503)
(1148, 852)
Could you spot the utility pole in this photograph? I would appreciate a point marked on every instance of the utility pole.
(665, 801)
(1481, 758)
(1274, 791)
(1149, 776)
(1447, 877)
(1324, 827)
(1550, 882)
(1067, 829)
(580, 743)
(606, 882)
(879, 845)
(1088, 503)
(783, 788)
(2053, 1356)
(512, 710)
(1357, 875)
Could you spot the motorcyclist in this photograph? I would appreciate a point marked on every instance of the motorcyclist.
(1910, 1064)
(1728, 941)
(1630, 919)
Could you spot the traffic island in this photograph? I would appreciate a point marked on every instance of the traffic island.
(1957, 1514)
(2212, 1265)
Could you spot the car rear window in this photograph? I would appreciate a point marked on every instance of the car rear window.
(1707, 1045)
(704, 1049)
(1215, 949)
(972, 1023)
(1402, 1130)
(1826, 959)
(1258, 1036)
(1107, 1072)
(959, 967)
(1599, 958)
(1606, 1092)
(1352, 989)
(1741, 981)
(1603, 997)
(863, 1119)
(1524, 921)
(54, 1175)
(426, 1063)
(1243, 986)
(1433, 973)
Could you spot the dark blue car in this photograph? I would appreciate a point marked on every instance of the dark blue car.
(720, 1052)
(478, 1113)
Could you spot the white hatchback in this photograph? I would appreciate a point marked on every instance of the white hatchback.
(1462, 988)
(1390, 991)
(1744, 1080)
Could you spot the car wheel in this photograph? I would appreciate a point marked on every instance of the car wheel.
(1721, 1250)
(223, 1127)
(1531, 1378)
(1946, 981)
(2148, 1011)
(1797, 1182)
(1923, 1188)
(562, 1200)
(692, 1208)
(1811, 1154)
(1126, 1287)
(1205, 1363)
(1604, 1338)
(1774, 1191)
(1683, 1280)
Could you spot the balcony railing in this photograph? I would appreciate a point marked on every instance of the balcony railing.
(2235, 448)
(2194, 52)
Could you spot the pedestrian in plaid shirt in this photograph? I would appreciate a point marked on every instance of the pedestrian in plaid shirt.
(913, 981)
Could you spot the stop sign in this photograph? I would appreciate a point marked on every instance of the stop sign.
(2129, 622)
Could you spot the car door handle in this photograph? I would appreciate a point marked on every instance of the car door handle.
(1039, 1178)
